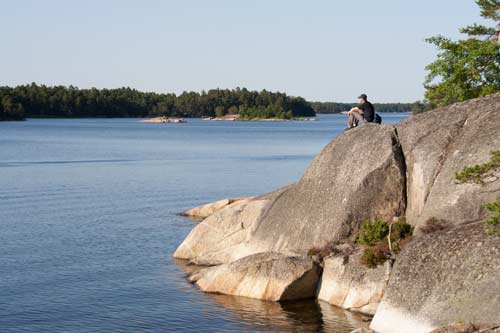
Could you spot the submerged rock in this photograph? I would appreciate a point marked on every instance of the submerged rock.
(440, 279)
(268, 276)
(348, 284)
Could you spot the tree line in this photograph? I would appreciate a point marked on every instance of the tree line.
(334, 107)
(60, 101)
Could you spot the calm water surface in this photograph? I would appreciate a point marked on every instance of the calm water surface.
(88, 217)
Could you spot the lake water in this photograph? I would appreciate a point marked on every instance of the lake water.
(88, 217)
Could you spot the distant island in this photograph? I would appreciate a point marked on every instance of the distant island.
(163, 120)
(41, 101)
(256, 117)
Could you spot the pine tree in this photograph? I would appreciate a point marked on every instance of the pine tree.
(466, 68)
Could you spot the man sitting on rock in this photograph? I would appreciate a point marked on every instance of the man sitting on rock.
(363, 112)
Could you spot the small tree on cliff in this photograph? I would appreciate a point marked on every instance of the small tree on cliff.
(466, 68)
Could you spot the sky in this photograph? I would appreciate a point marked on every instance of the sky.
(322, 50)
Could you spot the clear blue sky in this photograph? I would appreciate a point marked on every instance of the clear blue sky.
(328, 50)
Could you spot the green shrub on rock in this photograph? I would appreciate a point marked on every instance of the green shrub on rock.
(378, 246)
(372, 232)
(477, 173)
(493, 222)
(400, 230)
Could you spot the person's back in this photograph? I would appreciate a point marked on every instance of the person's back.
(368, 111)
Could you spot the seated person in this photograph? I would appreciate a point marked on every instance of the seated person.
(364, 112)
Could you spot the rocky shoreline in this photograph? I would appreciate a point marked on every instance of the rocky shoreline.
(163, 120)
(236, 117)
(260, 247)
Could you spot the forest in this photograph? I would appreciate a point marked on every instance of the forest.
(40, 101)
(334, 107)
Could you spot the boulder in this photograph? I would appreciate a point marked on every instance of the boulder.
(359, 175)
(217, 238)
(348, 284)
(440, 279)
(204, 211)
(267, 276)
(438, 144)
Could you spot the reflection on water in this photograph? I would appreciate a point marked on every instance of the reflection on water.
(291, 316)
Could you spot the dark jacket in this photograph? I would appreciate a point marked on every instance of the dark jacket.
(368, 111)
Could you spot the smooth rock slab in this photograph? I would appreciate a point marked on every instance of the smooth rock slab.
(443, 278)
(348, 284)
(267, 276)
(359, 175)
(208, 209)
(218, 238)
(439, 143)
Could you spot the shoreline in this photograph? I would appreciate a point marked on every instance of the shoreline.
(163, 120)
(237, 117)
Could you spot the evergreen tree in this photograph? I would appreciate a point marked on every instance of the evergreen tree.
(466, 68)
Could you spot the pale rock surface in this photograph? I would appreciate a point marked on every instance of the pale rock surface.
(359, 175)
(163, 120)
(439, 143)
(348, 284)
(208, 209)
(440, 279)
(267, 276)
(218, 238)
